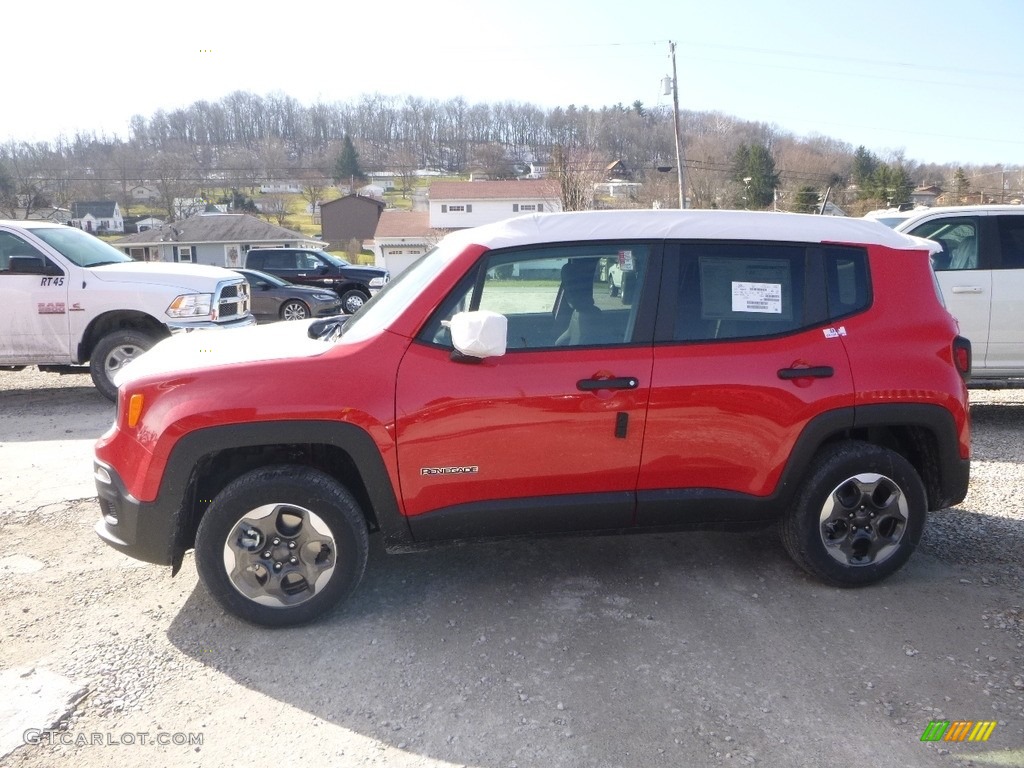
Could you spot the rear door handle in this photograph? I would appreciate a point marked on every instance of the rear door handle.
(966, 289)
(619, 382)
(817, 372)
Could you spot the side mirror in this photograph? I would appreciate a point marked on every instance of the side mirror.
(479, 334)
(27, 265)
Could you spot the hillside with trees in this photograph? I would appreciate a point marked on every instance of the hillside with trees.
(225, 149)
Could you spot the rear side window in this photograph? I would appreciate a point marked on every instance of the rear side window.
(1011, 241)
(752, 290)
(275, 260)
(732, 291)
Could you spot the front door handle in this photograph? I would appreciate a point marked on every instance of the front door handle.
(966, 289)
(817, 372)
(618, 382)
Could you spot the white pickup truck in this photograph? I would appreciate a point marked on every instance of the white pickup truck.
(67, 298)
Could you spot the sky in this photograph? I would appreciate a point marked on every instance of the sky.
(939, 81)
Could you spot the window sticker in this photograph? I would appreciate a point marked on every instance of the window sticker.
(626, 261)
(746, 288)
(757, 297)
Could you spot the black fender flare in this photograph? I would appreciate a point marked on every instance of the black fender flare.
(178, 483)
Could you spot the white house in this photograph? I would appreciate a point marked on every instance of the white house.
(461, 204)
(145, 193)
(280, 187)
(98, 216)
(383, 179)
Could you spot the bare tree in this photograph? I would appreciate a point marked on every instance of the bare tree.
(314, 185)
(576, 171)
(28, 173)
(175, 177)
(274, 207)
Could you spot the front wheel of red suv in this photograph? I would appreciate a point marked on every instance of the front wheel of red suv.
(858, 516)
(282, 545)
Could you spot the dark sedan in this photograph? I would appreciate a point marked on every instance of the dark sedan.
(277, 299)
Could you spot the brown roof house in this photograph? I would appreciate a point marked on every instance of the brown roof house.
(401, 238)
(461, 204)
(220, 239)
(352, 217)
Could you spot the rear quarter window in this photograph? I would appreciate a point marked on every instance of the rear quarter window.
(848, 285)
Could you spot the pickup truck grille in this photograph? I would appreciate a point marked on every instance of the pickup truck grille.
(232, 300)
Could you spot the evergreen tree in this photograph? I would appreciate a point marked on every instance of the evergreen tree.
(890, 184)
(754, 168)
(864, 165)
(346, 168)
(806, 200)
(961, 186)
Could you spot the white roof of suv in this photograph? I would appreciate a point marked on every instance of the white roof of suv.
(957, 210)
(686, 225)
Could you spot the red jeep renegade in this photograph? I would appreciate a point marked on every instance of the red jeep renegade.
(750, 368)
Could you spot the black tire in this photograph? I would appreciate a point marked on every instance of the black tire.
(293, 309)
(857, 517)
(282, 545)
(112, 353)
(613, 291)
(352, 300)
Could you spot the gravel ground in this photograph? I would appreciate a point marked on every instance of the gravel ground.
(690, 649)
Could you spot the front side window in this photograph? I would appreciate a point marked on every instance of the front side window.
(958, 238)
(559, 296)
(308, 261)
(14, 249)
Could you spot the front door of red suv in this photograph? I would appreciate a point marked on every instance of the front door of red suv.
(547, 437)
(744, 358)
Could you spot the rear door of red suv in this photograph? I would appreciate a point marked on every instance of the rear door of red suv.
(745, 356)
(547, 437)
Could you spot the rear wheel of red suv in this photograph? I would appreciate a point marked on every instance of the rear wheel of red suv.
(282, 545)
(858, 515)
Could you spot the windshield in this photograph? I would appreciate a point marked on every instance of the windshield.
(891, 221)
(380, 310)
(80, 248)
(335, 260)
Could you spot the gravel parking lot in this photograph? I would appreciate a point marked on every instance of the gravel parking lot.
(665, 650)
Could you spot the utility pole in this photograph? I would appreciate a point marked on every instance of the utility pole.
(675, 120)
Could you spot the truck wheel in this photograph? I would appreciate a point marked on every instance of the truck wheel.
(282, 545)
(353, 300)
(112, 353)
(858, 516)
(294, 310)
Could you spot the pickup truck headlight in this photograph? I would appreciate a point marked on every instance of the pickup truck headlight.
(378, 282)
(191, 305)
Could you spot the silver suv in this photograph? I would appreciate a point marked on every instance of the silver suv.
(981, 272)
